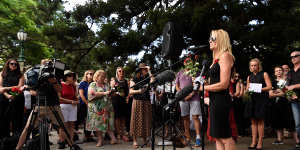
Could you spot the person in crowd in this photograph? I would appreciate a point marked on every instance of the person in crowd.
(120, 85)
(83, 98)
(100, 118)
(11, 107)
(128, 107)
(257, 107)
(45, 109)
(190, 104)
(141, 114)
(282, 116)
(218, 88)
(68, 102)
(286, 69)
(293, 84)
(236, 92)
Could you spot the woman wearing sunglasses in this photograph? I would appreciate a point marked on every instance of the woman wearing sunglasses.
(11, 107)
(218, 88)
(120, 84)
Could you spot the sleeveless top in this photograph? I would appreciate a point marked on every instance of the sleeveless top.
(11, 79)
(258, 78)
(146, 95)
(219, 107)
(214, 74)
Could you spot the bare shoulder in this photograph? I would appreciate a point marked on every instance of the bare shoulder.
(226, 58)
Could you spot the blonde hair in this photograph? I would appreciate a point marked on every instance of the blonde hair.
(97, 74)
(84, 78)
(258, 62)
(117, 74)
(223, 41)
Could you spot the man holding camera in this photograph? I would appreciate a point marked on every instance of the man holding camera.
(47, 105)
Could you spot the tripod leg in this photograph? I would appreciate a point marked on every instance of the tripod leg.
(27, 129)
(61, 124)
(180, 133)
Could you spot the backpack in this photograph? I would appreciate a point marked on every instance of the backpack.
(32, 76)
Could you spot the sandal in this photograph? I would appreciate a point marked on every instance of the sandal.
(135, 146)
(125, 138)
(112, 142)
(99, 144)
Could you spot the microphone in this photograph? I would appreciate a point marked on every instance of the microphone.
(180, 95)
(197, 47)
(162, 78)
(199, 80)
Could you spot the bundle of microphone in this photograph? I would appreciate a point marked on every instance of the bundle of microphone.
(169, 76)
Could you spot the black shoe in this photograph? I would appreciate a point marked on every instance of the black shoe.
(298, 146)
(252, 147)
(61, 145)
(75, 137)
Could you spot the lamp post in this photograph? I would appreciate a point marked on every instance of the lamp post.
(21, 59)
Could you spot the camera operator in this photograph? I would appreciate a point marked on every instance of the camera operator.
(46, 91)
(49, 90)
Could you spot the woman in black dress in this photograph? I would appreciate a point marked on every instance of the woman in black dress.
(259, 100)
(220, 101)
(11, 107)
(281, 116)
(120, 84)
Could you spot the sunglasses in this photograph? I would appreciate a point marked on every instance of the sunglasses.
(294, 56)
(13, 64)
(213, 39)
(90, 73)
(69, 75)
(120, 71)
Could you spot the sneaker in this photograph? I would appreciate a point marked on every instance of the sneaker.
(276, 142)
(166, 143)
(298, 146)
(198, 143)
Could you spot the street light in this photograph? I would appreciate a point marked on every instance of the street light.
(22, 37)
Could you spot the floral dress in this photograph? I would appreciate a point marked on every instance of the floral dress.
(100, 110)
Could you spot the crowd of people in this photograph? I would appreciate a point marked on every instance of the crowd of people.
(121, 108)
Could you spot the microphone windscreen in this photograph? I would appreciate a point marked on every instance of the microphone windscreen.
(165, 76)
(184, 92)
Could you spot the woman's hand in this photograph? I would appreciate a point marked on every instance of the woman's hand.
(11, 97)
(74, 103)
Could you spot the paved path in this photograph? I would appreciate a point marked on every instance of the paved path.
(242, 144)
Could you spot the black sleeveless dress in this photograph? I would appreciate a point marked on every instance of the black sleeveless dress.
(219, 107)
(257, 107)
(11, 111)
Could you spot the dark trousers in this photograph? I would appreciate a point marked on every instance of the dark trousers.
(11, 112)
(81, 118)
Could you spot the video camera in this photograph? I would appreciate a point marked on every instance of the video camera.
(53, 68)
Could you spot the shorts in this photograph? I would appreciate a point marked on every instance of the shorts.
(190, 107)
(69, 112)
(46, 112)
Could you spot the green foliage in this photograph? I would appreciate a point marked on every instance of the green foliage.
(267, 29)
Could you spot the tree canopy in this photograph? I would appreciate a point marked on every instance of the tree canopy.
(102, 33)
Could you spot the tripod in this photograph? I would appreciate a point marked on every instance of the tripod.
(171, 123)
(43, 125)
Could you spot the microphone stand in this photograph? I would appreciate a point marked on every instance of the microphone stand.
(204, 120)
(153, 118)
(200, 82)
(152, 100)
